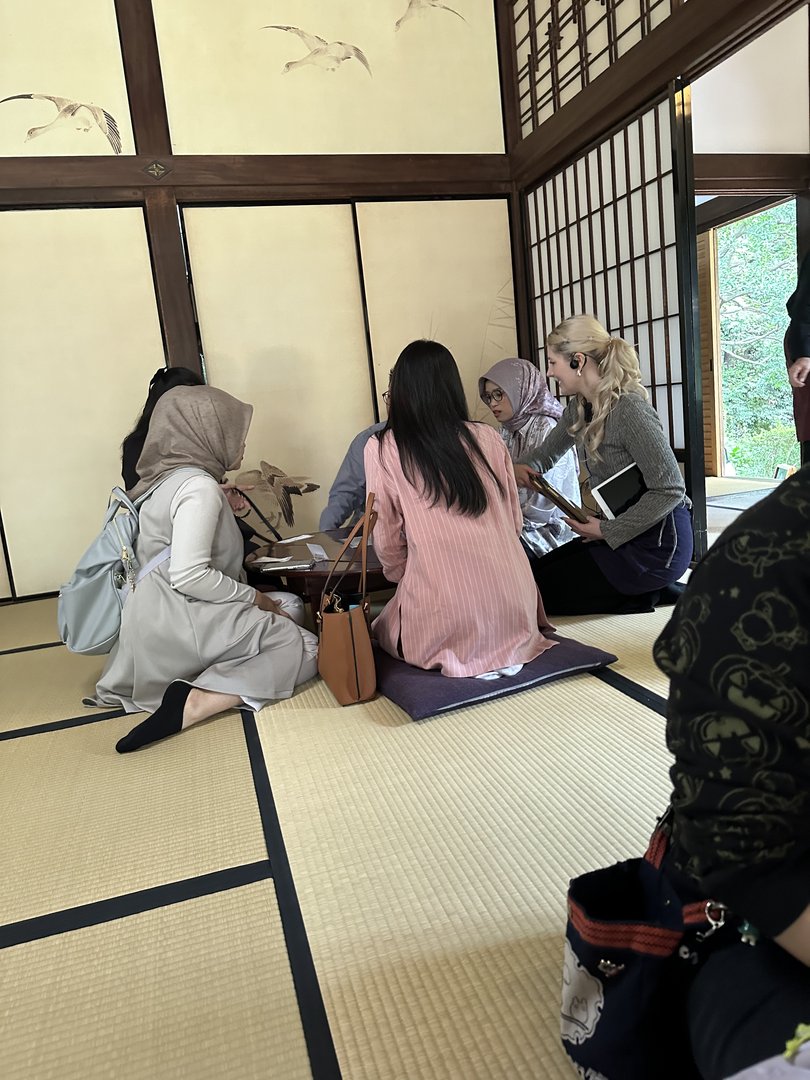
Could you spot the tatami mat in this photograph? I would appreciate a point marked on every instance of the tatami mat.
(83, 823)
(728, 485)
(198, 991)
(431, 862)
(31, 623)
(45, 685)
(630, 637)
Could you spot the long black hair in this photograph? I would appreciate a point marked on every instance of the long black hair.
(164, 379)
(428, 417)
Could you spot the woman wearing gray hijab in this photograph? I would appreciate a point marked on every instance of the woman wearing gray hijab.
(195, 640)
(518, 397)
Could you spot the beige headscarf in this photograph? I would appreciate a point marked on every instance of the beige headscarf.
(196, 426)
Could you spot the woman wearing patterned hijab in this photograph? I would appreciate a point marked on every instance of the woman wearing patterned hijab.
(518, 396)
(195, 640)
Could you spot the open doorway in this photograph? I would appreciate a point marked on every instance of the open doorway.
(756, 273)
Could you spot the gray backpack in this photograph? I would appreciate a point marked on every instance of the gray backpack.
(90, 604)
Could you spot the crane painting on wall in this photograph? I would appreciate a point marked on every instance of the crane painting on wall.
(422, 7)
(83, 116)
(272, 490)
(327, 55)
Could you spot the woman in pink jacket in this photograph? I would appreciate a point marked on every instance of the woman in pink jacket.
(448, 529)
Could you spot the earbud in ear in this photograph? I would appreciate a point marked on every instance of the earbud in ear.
(575, 361)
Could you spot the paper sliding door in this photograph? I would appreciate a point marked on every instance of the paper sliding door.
(279, 304)
(80, 341)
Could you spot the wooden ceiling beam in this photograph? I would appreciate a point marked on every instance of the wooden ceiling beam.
(751, 174)
(309, 175)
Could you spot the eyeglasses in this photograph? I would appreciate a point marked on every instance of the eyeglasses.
(387, 398)
(496, 396)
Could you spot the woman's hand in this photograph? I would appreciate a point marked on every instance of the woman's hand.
(238, 503)
(522, 474)
(590, 530)
(266, 603)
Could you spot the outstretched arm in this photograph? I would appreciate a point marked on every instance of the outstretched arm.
(347, 495)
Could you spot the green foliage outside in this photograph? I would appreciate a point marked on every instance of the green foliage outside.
(756, 274)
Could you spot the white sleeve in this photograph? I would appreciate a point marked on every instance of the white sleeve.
(195, 512)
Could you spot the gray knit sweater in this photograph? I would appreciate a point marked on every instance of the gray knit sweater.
(633, 433)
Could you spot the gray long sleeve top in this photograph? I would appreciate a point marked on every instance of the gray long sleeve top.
(633, 433)
(347, 496)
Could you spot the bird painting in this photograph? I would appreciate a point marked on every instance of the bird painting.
(328, 55)
(79, 114)
(272, 490)
(420, 7)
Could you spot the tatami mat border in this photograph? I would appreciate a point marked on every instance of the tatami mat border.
(57, 725)
(30, 648)
(633, 690)
(120, 907)
(619, 682)
(317, 1033)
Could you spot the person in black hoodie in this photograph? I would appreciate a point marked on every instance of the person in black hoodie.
(797, 355)
(737, 651)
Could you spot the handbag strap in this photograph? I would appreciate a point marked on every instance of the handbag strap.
(697, 912)
(366, 524)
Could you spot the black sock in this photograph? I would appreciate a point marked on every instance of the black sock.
(166, 720)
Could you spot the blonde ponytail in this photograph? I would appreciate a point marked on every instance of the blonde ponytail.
(619, 373)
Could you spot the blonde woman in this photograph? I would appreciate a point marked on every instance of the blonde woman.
(620, 565)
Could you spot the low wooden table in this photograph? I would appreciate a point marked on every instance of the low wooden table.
(309, 584)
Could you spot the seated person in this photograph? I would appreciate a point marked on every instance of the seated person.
(163, 380)
(519, 398)
(347, 495)
(738, 725)
(195, 641)
(448, 529)
(626, 563)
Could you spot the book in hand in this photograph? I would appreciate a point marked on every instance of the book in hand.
(539, 483)
(620, 491)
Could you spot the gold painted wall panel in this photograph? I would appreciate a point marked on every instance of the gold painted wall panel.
(440, 270)
(69, 51)
(386, 76)
(278, 298)
(79, 341)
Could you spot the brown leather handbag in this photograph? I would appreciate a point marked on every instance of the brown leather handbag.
(345, 657)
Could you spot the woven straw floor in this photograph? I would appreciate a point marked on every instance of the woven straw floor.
(428, 863)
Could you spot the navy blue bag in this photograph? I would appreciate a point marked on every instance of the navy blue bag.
(631, 953)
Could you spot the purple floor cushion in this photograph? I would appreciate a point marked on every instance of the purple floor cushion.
(426, 693)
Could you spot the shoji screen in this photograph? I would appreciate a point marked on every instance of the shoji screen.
(603, 240)
(79, 341)
(279, 305)
(440, 270)
(562, 45)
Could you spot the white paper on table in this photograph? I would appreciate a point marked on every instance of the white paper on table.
(267, 560)
(317, 552)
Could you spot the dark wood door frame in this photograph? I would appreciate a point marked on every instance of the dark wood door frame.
(694, 38)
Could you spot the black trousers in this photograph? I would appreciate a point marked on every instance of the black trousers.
(571, 583)
(804, 449)
(744, 1005)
